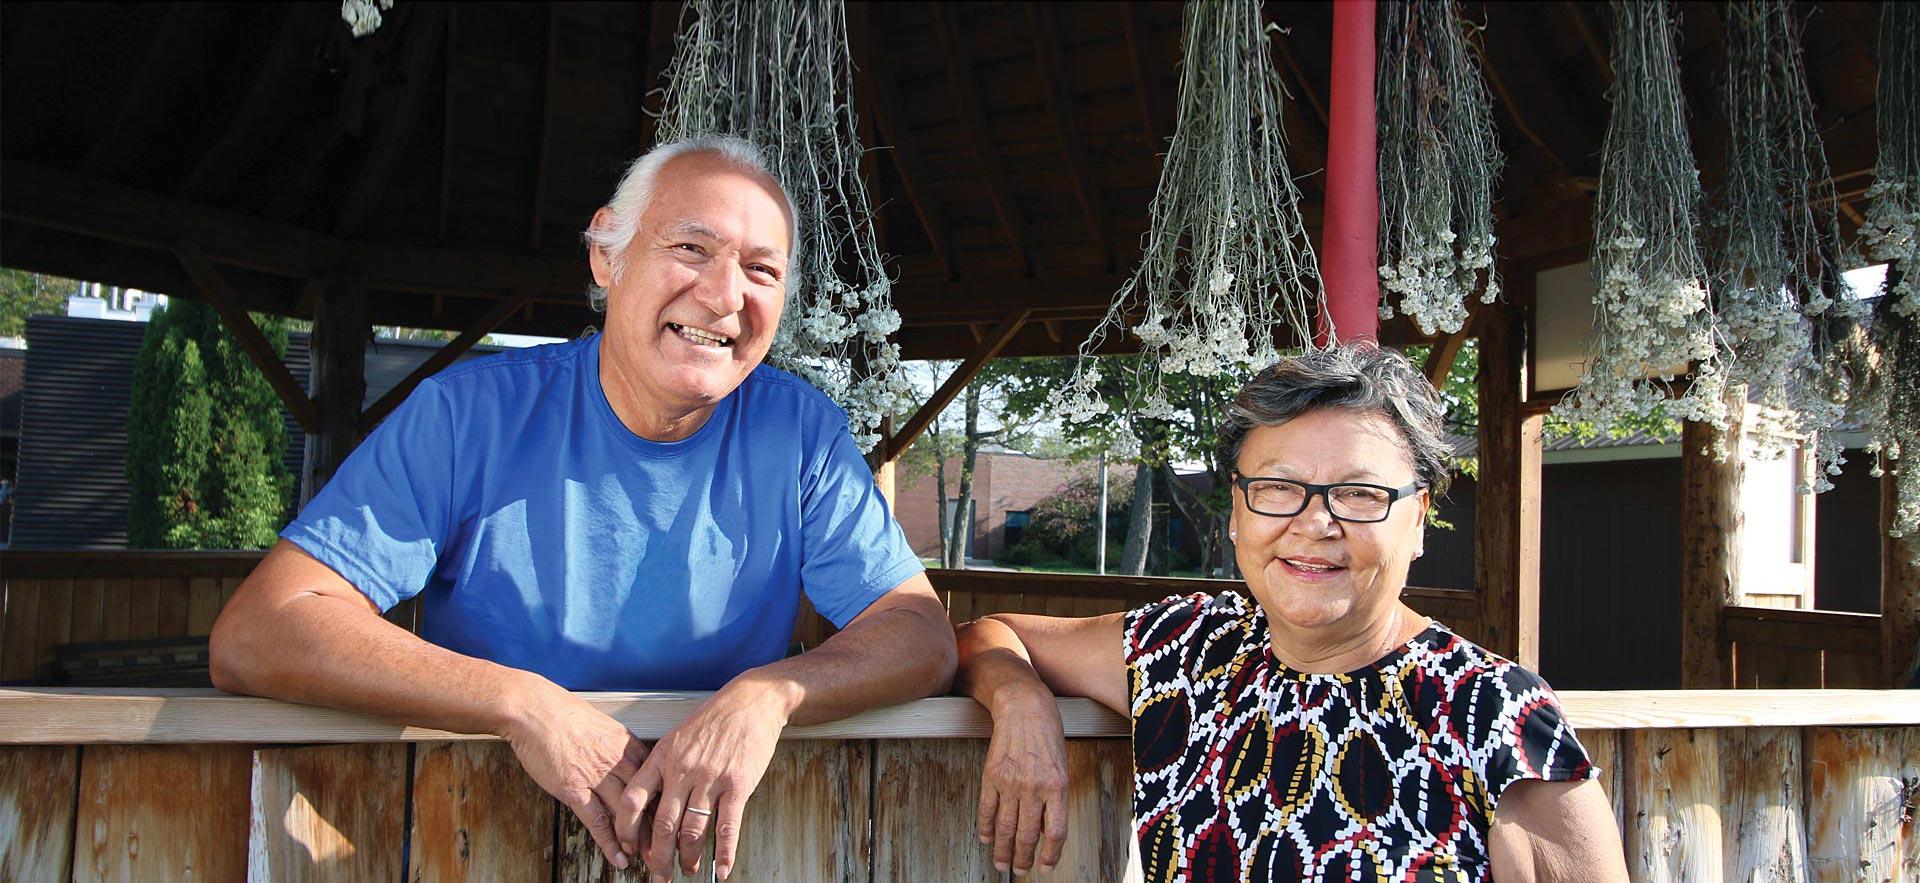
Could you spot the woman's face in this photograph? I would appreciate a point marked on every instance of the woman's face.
(1310, 570)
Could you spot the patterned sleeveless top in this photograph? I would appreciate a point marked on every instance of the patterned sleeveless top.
(1245, 769)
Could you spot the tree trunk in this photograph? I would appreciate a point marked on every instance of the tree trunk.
(939, 450)
(1160, 544)
(1195, 511)
(957, 545)
(1133, 557)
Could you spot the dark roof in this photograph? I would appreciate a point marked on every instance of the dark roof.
(454, 155)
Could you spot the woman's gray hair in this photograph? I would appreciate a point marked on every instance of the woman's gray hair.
(636, 188)
(1361, 376)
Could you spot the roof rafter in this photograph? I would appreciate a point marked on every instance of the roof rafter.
(396, 108)
(874, 83)
(973, 121)
(1153, 113)
(1053, 78)
(290, 59)
(538, 209)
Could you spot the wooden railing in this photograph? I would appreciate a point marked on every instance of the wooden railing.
(167, 784)
(1774, 648)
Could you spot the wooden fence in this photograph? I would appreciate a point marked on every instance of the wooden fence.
(172, 784)
(1803, 648)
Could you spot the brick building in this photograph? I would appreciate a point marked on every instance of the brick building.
(1006, 484)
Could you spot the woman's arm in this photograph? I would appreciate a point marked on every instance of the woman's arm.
(1014, 664)
(1554, 831)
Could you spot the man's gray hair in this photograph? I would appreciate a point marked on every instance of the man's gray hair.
(1361, 376)
(636, 188)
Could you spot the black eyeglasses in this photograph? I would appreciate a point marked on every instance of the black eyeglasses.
(1347, 501)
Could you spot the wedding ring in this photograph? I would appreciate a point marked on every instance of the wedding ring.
(697, 811)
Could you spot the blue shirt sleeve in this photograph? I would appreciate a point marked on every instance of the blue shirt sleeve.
(383, 519)
(854, 551)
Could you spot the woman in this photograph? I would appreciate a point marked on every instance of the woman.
(1315, 728)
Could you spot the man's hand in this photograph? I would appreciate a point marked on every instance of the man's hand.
(712, 761)
(584, 758)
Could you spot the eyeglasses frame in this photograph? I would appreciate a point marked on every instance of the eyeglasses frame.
(1394, 495)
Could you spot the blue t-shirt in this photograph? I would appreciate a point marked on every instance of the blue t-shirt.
(543, 535)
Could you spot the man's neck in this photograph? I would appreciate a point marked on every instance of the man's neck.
(639, 411)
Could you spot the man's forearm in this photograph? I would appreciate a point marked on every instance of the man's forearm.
(319, 650)
(895, 655)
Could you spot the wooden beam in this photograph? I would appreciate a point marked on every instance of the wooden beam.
(340, 335)
(62, 200)
(955, 384)
(225, 301)
(445, 356)
(357, 90)
(260, 115)
(396, 107)
(547, 80)
(1710, 522)
(663, 31)
(1507, 536)
(875, 84)
(973, 122)
(1595, 51)
(1053, 80)
(1899, 590)
(173, 58)
(449, 84)
(1445, 350)
(1153, 113)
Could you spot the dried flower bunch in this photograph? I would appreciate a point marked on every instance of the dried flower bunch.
(1889, 401)
(1652, 316)
(1777, 252)
(363, 16)
(1226, 263)
(777, 73)
(1439, 159)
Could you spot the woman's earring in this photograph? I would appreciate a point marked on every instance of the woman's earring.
(1233, 534)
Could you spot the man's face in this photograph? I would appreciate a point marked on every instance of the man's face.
(702, 284)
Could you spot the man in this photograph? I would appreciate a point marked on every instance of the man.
(636, 510)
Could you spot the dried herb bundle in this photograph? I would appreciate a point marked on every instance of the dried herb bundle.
(1652, 317)
(1226, 263)
(1439, 159)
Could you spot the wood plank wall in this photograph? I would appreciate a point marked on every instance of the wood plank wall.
(826, 810)
(1758, 803)
(53, 598)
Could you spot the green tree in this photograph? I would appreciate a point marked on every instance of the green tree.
(24, 294)
(204, 437)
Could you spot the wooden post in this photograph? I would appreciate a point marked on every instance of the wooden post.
(340, 335)
(1673, 806)
(1899, 590)
(1709, 548)
(1507, 523)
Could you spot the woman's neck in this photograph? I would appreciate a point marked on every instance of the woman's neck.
(1318, 652)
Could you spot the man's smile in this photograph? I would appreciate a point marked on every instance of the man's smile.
(700, 336)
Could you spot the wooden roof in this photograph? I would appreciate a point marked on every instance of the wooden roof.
(454, 155)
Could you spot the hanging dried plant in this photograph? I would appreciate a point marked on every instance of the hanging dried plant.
(1439, 159)
(1892, 230)
(1651, 314)
(1777, 251)
(1890, 406)
(777, 73)
(1226, 263)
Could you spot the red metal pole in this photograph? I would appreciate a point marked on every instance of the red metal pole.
(1350, 234)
